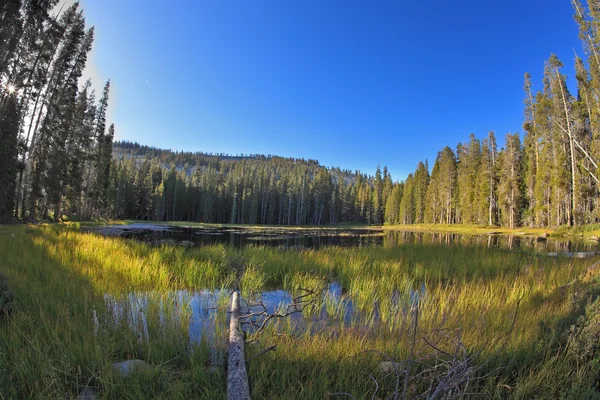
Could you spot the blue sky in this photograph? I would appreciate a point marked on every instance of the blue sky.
(351, 83)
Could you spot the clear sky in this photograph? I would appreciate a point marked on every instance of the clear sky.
(350, 83)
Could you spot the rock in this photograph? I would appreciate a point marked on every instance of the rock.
(541, 238)
(388, 367)
(88, 393)
(125, 368)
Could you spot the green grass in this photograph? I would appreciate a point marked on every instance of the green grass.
(469, 229)
(190, 224)
(586, 231)
(50, 346)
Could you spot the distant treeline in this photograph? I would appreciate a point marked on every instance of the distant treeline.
(55, 150)
(56, 154)
(550, 177)
(164, 185)
(182, 157)
(477, 186)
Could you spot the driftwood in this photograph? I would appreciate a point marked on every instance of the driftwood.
(237, 377)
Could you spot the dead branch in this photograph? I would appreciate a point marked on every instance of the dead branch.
(258, 320)
(448, 372)
(268, 349)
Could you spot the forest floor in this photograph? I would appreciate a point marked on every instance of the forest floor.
(491, 322)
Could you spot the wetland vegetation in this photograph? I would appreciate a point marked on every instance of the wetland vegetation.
(452, 282)
(83, 301)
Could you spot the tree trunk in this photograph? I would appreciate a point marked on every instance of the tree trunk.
(237, 377)
(572, 221)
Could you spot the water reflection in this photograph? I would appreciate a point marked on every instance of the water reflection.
(205, 313)
(512, 242)
(316, 238)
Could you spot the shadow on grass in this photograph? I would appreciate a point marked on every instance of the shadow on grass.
(52, 346)
(62, 336)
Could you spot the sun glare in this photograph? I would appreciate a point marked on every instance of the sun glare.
(11, 88)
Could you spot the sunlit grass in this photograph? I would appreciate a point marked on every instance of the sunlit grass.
(469, 229)
(65, 334)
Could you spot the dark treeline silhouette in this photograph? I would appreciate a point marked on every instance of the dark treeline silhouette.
(149, 183)
(181, 157)
(55, 150)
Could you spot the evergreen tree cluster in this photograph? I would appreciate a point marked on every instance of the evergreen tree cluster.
(149, 183)
(548, 177)
(55, 151)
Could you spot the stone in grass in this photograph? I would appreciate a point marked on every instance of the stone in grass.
(88, 393)
(387, 367)
(126, 368)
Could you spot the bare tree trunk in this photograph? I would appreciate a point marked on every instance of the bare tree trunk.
(572, 220)
(58, 209)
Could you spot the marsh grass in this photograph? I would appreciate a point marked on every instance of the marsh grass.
(64, 334)
(468, 229)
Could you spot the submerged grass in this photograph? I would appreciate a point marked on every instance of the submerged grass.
(63, 333)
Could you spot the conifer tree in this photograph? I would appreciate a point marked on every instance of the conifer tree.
(392, 206)
(469, 158)
(509, 190)
(531, 153)
(9, 130)
(378, 197)
(441, 194)
(487, 182)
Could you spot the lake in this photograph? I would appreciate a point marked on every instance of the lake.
(314, 238)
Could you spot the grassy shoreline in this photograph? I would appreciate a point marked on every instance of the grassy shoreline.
(583, 231)
(433, 228)
(51, 347)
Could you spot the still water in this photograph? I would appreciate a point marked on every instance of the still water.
(205, 317)
(316, 238)
(204, 312)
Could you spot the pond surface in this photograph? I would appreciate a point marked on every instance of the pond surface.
(298, 238)
(205, 313)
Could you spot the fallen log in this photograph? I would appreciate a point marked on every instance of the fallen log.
(237, 377)
(580, 254)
